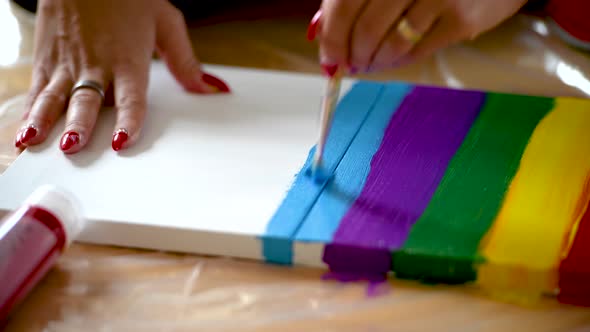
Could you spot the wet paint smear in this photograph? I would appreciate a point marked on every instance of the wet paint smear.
(339, 194)
(420, 140)
(574, 270)
(546, 199)
(442, 246)
(377, 283)
(349, 116)
(350, 175)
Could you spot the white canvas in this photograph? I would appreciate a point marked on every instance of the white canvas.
(207, 174)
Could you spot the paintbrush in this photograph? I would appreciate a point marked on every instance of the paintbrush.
(329, 102)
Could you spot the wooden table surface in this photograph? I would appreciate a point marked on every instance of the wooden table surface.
(97, 288)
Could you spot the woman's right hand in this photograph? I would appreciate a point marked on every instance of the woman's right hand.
(110, 42)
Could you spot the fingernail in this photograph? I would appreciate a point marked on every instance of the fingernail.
(68, 140)
(330, 70)
(312, 29)
(119, 138)
(27, 134)
(353, 70)
(215, 82)
(17, 142)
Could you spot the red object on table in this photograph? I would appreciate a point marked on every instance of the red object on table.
(572, 16)
(31, 240)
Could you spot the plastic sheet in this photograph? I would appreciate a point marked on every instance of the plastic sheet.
(114, 289)
(104, 289)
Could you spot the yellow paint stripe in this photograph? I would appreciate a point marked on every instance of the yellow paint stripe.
(543, 205)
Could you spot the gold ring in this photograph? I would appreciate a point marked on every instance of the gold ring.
(405, 30)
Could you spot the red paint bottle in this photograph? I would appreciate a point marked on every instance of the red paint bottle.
(31, 240)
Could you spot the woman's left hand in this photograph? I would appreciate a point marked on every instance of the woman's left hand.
(370, 35)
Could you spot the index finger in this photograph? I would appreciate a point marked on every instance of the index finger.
(337, 23)
(130, 87)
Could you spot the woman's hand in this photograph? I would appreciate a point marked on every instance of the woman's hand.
(109, 43)
(369, 35)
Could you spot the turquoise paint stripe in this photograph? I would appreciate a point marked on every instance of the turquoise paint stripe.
(349, 116)
(333, 203)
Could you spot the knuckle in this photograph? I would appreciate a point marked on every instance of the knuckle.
(89, 60)
(463, 20)
(420, 52)
(343, 8)
(77, 124)
(127, 63)
(47, 8)
(85, 97)
(35, 89)
(51, 96)
(334, 48)
(364, 44)
(176, 15)
(131, 102)
(385, 54)
(129, 122)
(42, 119)
(171, 19)
(368, 31)
(190, 65)
(360, 59)
(332, 43)
(39, 73)
(397, 45)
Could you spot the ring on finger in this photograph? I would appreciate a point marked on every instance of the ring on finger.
(405, 29)
(89, 84)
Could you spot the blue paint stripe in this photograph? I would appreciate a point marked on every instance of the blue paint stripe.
(349, 117)
(333, 203)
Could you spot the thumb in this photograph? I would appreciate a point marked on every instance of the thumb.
(174, 47)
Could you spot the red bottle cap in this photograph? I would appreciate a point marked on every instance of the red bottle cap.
(63, 205)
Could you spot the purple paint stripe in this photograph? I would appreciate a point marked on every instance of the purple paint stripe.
(419, 142)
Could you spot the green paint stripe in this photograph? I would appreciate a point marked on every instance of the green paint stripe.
(442, 245)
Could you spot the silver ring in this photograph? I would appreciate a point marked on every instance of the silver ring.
(94, 85)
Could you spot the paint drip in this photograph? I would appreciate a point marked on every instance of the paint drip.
(377, 285)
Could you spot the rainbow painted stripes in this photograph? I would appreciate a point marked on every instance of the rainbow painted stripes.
(450, 186)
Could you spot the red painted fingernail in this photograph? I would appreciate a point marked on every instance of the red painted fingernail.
(330, 70)
(17, 142)
(27, 134)
(119, 138)
(312, 29)
(68, 140)
(215, 82)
